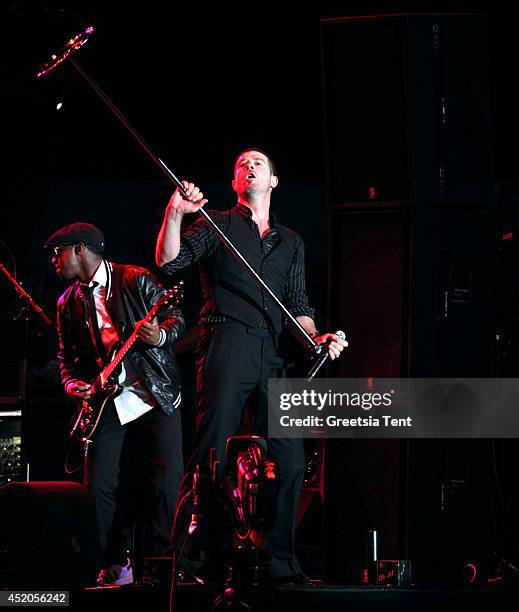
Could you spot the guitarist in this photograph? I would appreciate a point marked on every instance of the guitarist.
(100, 310)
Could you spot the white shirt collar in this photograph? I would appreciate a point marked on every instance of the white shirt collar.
(100, 277)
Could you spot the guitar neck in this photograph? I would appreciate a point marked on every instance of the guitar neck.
(123, 351)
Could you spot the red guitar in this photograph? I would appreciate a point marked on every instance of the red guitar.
(105, 385)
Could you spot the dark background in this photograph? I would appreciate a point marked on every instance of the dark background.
(199, 84)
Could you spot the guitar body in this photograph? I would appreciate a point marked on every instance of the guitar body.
(90, 411)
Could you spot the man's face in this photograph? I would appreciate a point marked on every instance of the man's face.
(252, 174)
(65, 260)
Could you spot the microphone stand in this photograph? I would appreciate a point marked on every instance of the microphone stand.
(22, 293)
(72, 46)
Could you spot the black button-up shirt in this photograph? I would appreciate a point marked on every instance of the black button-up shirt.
(228, 287)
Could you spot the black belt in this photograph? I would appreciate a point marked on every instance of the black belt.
(219, 318)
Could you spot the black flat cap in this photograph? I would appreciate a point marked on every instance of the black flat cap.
(74, 233)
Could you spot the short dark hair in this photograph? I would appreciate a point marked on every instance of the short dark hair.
(272, 165)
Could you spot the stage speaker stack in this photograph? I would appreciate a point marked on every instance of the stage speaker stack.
(48, 536)
(412, 276)
(13, 396)
(10, 445)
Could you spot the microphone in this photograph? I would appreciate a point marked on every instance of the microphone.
(323, 358)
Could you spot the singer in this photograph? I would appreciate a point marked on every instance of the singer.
(239, 347)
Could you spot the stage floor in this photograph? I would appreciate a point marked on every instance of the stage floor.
(500, 597)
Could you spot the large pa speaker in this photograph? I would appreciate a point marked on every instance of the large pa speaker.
(48, 536)
(408, 109)
(415, 290)
(449, 518)
(412, 276)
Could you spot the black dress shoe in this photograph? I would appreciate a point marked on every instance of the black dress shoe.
(298, 579)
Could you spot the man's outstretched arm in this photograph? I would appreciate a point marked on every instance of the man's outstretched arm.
(180, 204)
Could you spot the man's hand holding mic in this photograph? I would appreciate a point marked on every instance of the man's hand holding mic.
(336, 343)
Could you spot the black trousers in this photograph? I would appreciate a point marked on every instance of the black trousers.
(233, 362)
(157, 448)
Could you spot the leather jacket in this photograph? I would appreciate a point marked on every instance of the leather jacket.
(131, 293)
